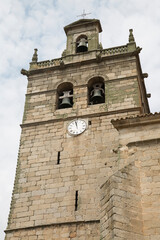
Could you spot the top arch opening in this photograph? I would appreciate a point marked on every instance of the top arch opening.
(82, 44)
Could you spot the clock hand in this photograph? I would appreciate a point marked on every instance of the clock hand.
(76, 124)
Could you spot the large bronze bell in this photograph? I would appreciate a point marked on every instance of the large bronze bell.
(97, 94)
(66, 100)
(82, 45)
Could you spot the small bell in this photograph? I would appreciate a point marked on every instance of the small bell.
(97, 94)
(82, 45)
(66, 100)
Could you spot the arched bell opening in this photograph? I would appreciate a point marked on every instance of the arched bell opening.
(82, 44)
(96, 91)
(65, 95)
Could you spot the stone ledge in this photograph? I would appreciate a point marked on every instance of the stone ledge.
(84, 85)
(144, 142)
(90, 115)
(53, 224)
(139, 120)
(61, 63)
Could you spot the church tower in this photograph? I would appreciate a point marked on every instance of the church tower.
(87, 157)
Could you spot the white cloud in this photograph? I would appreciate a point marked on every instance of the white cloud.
(26, 25)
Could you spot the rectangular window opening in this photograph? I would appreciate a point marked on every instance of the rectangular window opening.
(89, 122)
(58, 158)
(76, 200)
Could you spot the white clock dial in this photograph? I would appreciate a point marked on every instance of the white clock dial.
(77, 127)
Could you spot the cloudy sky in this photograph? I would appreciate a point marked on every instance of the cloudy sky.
(29, 24)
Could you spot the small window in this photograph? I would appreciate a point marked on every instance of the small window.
(65, 95)
(76, 200)
(96, 91)
(58, 157)
(82, 44)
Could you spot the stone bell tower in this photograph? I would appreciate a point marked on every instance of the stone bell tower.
(88, 30)
(87, 164)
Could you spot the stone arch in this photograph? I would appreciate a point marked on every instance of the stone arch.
(64, 95)
(69, 80)
(105, 77)
(81, 43)
(96, 90)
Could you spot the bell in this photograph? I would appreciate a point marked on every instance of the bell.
(66, 103)
(66, 100)
(82, 45)
(97, 94)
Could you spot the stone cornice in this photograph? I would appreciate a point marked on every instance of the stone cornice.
(89, 115)
(144, 142)
(82, 22)
(48, 73)
(53, 224)
(89, 57)
(139, 120)
(83, 85)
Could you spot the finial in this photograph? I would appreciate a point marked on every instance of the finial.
(131, 37)
(35, 55)
(83, 14)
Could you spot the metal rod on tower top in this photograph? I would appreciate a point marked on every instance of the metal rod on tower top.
(83, 14)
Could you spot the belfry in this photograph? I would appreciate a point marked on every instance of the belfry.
(89, 160)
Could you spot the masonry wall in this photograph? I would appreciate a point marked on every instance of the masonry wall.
(139, 146)
(70, 231)
(121, 86)
(121, 210)
(44, 191)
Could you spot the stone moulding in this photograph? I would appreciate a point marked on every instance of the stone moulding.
(145, 119)
(115, 50)
(83, 85)
(83, 22)
(144, 142)
(91, 115)
(109, 52)
(53, 224)
(49, 63)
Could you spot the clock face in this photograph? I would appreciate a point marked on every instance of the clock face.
(77, 127)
